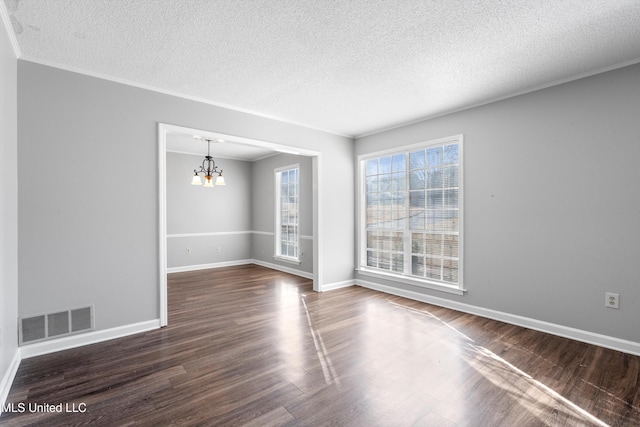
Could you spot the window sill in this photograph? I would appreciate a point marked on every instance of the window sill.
(286, 259)
(452, 289)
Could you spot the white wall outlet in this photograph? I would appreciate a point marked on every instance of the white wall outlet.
(612, 300)
(187, 251)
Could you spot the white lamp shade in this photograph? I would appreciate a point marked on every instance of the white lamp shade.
(220, 180)
(209, 181)
(196, 180)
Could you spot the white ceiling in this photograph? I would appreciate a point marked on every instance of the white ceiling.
(350, 67)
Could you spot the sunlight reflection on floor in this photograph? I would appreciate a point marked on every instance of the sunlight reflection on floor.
(501, 373)
(329, 372)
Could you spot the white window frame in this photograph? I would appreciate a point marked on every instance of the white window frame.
(405, 276)
(278, 215)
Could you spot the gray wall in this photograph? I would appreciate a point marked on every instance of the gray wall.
(223, 210)
(89, 223)
(8, 203)
(263, 218)
(552, 209)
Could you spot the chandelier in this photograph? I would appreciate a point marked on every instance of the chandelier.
(207, 169)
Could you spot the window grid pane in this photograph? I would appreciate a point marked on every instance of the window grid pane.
(385, 250)
(414, 197)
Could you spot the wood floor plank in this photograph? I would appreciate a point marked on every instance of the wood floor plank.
(251, 346)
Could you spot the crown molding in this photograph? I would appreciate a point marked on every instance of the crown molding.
(502, 98)
(176, 94)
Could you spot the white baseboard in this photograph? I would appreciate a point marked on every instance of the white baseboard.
(207, 266)
(336, 285)
(293, 271)
(46, 347)
(305, 274)
(7, 379)
(240, 262)
(613, 343)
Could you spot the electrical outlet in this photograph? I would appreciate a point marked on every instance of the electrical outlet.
(187, 251)
(612, 300)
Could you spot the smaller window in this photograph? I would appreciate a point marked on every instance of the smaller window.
(287, 227)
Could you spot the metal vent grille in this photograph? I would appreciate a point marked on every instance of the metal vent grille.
(55, 325)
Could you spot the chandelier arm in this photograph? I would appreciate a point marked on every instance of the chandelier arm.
(208, 167)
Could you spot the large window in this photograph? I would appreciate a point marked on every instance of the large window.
(287, 208)
(411, 216)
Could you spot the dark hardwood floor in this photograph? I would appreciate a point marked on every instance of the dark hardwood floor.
(255, 347)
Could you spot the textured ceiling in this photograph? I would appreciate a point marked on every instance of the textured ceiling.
(350, 67)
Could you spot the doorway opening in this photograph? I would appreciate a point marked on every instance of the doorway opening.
(179, 139)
